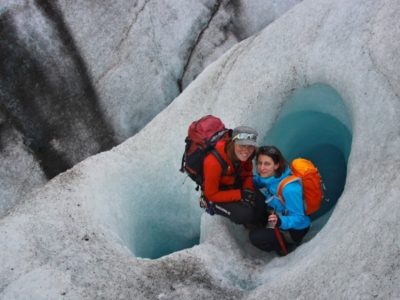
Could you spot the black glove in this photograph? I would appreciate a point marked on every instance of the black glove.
(247, 196)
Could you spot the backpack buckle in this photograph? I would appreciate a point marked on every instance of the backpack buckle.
(202, 202)
(206, 205)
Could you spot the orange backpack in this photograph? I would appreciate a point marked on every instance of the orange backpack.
(305, 171)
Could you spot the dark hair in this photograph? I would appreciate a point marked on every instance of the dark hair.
(276, 156)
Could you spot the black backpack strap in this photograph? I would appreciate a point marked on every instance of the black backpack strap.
(221, 161)
(187, 141)
(182, 163)
(238, 179)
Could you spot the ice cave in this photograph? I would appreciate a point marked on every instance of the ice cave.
(315, 124)
(120, 81)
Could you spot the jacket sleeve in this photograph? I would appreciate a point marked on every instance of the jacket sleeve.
(212, 176)
(295, 217)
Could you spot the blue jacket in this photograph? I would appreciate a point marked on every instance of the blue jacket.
(291, 214)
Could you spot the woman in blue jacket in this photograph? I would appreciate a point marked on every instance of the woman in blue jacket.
(290, 217)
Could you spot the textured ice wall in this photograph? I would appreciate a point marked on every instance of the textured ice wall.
(78, 77)
(71, 237)
(142, 53)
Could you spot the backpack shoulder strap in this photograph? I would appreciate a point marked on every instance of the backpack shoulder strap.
(188, 143)
(222, 162)
(282, 184)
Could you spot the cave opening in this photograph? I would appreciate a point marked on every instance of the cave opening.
(314, 123)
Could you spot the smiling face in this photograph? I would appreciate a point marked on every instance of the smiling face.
(243, 152)
(266, 166)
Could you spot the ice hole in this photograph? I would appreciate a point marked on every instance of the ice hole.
(315, 124)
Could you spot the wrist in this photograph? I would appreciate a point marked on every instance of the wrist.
(278, 221)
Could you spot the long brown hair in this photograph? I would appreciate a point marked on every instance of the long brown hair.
(229, 149)
(276, 156)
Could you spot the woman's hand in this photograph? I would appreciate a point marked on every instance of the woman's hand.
(273, 220)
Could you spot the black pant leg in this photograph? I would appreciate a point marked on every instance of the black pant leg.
(298, 235)
(264, 239)
(238, 212)
(261, 217)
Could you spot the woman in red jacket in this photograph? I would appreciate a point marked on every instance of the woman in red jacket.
(230, 191)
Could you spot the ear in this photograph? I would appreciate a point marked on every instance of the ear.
(276, 167)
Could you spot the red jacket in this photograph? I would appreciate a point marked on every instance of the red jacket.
(213, 179)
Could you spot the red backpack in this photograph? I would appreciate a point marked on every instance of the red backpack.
(202, 136)
(305, 171)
